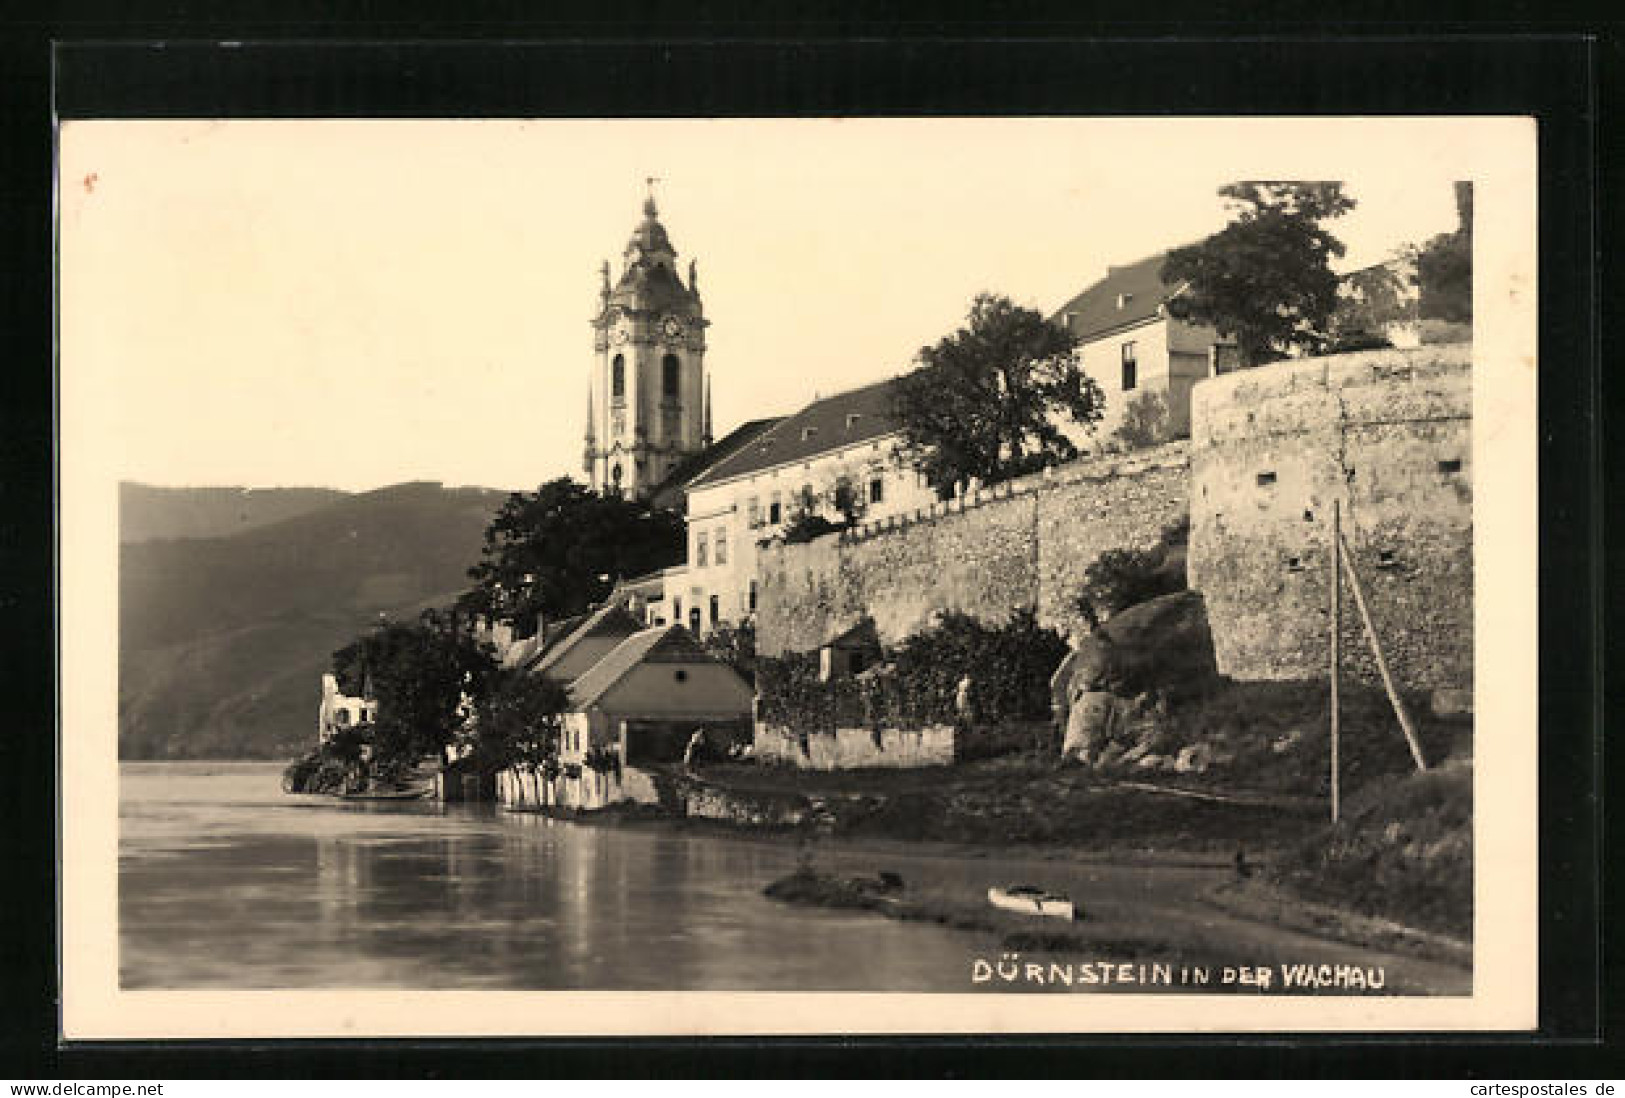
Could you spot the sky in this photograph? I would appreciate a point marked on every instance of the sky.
(358, 303)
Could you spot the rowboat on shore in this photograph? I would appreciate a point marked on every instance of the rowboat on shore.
(1031, 900)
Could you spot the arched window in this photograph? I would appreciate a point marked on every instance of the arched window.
(617, 379)
(668, 377)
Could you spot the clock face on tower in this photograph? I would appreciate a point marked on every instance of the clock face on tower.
(672, 326)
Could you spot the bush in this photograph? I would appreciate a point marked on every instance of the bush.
(1145, 423)
(1120, 578)
(807, 526)
(917, 683)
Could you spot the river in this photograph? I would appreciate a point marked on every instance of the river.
(225, 881)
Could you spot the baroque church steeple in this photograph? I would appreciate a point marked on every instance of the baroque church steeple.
(647, 400)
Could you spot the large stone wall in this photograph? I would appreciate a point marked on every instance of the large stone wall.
(1387, 433)
(1024, 543)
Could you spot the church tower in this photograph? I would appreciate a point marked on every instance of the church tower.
(646, 404)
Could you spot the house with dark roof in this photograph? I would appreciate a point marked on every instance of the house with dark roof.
(633, 713)
(1131, 345)
(755, 492)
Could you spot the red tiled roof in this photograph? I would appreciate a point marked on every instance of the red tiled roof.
(832, 423)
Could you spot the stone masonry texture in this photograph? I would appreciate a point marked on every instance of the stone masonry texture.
(1024, 543)
(1387, 433)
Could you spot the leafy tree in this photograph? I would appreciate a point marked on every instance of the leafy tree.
(1145, 422)
(1369, 302)
(558, 551)
(734, 645)
(1444, 267)
(519, 722)
(984, 401)
(1265, 280)
(846, 497)
(805, 523)
(424, 676)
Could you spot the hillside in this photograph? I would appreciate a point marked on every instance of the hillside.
(222, 640)
(147, 512)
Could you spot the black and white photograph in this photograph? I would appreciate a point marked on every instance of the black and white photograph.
(797, 575)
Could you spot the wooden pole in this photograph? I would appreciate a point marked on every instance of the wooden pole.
(1337, 636)
(1382, 663)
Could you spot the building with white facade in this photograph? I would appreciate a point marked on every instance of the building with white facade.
(1131, 345)
(754, 493)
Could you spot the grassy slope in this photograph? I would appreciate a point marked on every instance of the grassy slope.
(222, 640)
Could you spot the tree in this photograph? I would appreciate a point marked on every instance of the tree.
(519, 722)
(1265, 280)
(558, 550)
(1145, 422)
(423, 675)
(984, 401)
(846, 497)
(1444, 267)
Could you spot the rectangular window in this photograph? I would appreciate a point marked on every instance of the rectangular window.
(722, 545)
(752, 597)
(714, 608)
(753, 512)
(1131, 367)
(774, 511)
(877, 490)
(700, 546)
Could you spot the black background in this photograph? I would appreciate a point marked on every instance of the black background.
(362, 61)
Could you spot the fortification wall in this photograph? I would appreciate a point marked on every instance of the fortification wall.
(1024, 543)
(1387, 433)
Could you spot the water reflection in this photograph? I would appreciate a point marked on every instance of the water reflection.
(224, 881)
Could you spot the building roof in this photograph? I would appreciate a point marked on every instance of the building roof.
(832, 423)
(608, 620)
(1098, 309)
(662, 644)
(668, 494)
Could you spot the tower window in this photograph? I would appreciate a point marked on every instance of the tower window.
(1131, 367)
(617, 379)
(669, 377)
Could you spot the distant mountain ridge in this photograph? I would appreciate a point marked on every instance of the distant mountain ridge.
(222, 639)
(148, 512)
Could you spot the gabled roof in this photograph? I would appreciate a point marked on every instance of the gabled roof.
(668, 495)
(609, 620)
(833, 423)
(1096, 310)
(662, 644)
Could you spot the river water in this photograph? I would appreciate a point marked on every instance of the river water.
(225, 881)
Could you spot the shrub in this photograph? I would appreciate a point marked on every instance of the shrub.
(1120, 578)
(1145, 422)
(807, 526)
(917, 683)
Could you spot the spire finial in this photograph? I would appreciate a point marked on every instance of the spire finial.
(649, 202)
